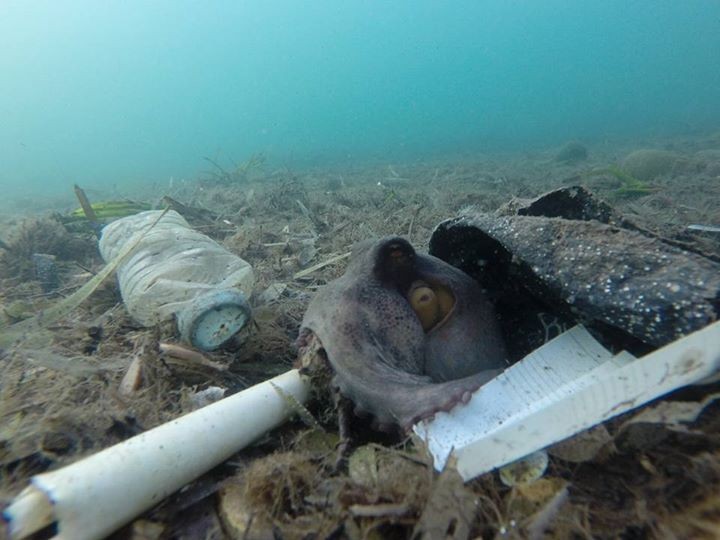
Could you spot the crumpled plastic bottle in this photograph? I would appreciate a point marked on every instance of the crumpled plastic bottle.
(178, 272)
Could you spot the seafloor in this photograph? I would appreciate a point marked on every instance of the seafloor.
(62, 401)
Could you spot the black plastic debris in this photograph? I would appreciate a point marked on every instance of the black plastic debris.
(569, 203)
(572, 256)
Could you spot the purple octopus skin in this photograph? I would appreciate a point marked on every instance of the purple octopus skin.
(382, 359)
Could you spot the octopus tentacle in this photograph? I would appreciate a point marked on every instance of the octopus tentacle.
(411, 401)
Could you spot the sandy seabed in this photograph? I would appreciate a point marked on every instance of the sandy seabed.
(61, 401)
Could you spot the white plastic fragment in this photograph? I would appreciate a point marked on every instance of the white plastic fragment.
(520, 389)
(31, 511)
(704, 228)
(568, 385)
(203, 398)
(97, 495)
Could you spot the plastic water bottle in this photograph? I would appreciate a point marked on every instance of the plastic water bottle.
(177, 272)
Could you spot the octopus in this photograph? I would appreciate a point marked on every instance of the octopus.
(406, 334)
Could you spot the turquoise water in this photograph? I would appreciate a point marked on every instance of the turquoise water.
(110, 92)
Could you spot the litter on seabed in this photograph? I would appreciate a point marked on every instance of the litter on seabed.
(556, 389)
(566, 386)
(177, 272)
(95, 496)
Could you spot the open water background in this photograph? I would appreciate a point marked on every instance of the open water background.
(108, 93)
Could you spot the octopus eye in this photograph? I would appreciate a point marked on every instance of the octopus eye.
(431, 304)
(425, 304)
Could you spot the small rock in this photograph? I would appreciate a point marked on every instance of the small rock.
(46, 271)
(144, 529)
(525, 470)
(306, 255)
(363, 466)
(582, 447)
(648, 164)
(712, 154)
(237, 516)
(272, 293)
(198, 400)
(572, 152)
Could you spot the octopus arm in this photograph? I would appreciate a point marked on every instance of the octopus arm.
(395, 397)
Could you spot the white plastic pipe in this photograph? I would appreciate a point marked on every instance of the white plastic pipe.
(95, 496)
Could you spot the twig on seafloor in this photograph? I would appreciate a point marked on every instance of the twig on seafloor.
(323, 264)
(551, 325)
(412, 219)
(379, 510)
(132, 379)
(85, 268)
(340, 227)
(304, 209)
(224, 175)
(87, 210)
(133, 376)
(316, 222)
(183, 353)
(704, 228)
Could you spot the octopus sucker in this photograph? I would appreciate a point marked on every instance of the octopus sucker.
(406, 334)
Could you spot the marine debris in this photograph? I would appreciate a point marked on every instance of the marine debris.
(145, 469)
(176, 273)
(606, 272)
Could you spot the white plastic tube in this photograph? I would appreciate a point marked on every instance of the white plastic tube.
(95, 496)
